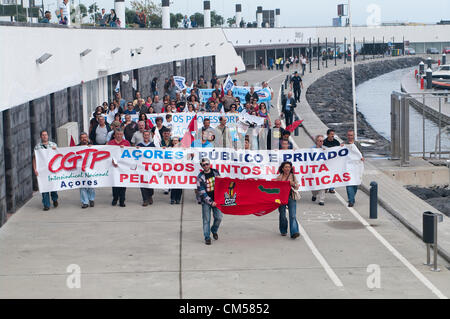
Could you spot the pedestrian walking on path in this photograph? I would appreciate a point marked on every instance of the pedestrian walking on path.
(87, 194)
(286, 173)
(319, 193)
(205, 187)
(352, 189)
(46, 144)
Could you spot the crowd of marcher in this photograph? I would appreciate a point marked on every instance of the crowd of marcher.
(112, 124)
(280, 63)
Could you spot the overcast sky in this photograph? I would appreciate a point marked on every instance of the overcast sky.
(310, 13)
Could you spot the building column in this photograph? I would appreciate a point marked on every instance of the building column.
(265, 53)
(165, 14)
(207, 14)
(277, 18)
(119, 7)
(238, 16)
(259, 17)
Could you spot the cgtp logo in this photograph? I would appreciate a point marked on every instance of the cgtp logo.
(230, 197)
(69, 161)
(374, 19)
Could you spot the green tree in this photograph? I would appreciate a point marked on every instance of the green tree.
(155, 21)
(175, 19)
(216, 19)
(148, 6)
(231, 21)
(93, 11)
(130, 18)
(198, 18)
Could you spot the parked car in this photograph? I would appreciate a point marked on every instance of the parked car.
(446, 50)
(442, 73)
(410, 51)
(432, 51)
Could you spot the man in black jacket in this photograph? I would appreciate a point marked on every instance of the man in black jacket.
(100, 130)
(297, 85)
(330, 141)
(288, 109)
(251, 94)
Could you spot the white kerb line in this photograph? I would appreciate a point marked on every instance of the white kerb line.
(408, 265)
(308, 240)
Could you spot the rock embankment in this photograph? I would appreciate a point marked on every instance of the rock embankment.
(438, 197)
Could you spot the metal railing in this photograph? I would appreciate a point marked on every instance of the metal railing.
(430, 105)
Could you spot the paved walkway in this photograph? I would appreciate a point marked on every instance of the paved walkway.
(158, 251)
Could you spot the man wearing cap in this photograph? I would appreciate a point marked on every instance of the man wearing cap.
(205, 188)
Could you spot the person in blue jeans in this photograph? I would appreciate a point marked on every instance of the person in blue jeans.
(205, 188)
(87, 195)
(352, 189)
(46, 144)
(286, 173)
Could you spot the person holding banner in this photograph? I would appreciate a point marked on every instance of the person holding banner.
(147, 193)
(321, 193)
(45, 144)
(87, 195)
(352, 189)
(286, 173)
(176, 193)
(223, 135)
(119, 192)
(205, 188)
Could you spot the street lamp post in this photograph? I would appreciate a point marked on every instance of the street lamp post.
(352, 49)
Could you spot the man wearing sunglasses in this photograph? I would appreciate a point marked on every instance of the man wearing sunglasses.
(205, 188)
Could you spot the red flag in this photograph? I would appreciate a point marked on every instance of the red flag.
(291, 128)
(188, 138)
(72, 141)
(250, 196)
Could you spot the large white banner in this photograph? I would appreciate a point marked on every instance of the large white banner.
(180, 121)
(106, 166)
